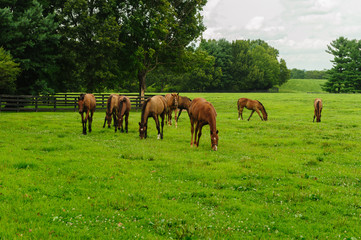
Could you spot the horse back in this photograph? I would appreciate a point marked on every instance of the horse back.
(126, 103)
(157, 105)
(89, 101)
(202, 110)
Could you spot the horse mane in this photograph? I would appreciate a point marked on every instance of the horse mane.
(81, 97)
(144, 106)
(262, 107)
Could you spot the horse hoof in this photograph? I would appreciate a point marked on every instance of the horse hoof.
(239, 119)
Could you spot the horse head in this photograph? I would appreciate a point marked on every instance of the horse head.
(142, 130)
(81, 103)
(214, 140)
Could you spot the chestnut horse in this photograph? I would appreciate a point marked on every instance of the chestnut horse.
(172, 105)
(183, 103)
(124, 109)
(112, 110)
(253, 105)
(318, 109)
(152, 107)
(86, 103)
(202, 113)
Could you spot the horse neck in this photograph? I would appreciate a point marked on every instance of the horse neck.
(144, 113)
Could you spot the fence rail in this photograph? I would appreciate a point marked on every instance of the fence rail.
(57, 102)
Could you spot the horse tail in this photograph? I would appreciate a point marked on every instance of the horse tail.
(318, 108)
(238, 104)
(109, 103)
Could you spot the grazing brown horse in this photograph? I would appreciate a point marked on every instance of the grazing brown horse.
(253, 105)
(172, 105)
(152, 107)
(86, 103)
(318, 109)
(124, 109)
(183, 103)
(202, 113)
(112, 110)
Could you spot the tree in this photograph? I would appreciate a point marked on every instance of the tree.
(91, 44)
(157, 32)
(285, 73)
(33, 41)
(9, 70)
(345, 75)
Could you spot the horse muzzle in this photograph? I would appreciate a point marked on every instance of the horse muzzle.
(215, 147)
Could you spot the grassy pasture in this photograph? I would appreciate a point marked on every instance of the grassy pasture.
(287, 178)
(303, 85)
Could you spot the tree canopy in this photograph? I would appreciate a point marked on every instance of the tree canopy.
(345, 74)
(124, 45)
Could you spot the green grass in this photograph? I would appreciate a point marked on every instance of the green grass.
(287, 178)
(303, 85)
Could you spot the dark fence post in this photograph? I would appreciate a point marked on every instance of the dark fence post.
(36, 103)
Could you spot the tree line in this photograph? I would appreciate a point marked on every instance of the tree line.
(125, 46)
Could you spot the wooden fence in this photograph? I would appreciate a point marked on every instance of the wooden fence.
(57, 102)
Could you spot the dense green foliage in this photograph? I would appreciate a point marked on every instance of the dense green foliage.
(33, 41)
(308, 74)
(287, 178)
(9, 70)
(345, 74)
(77, 45)
(102, 45)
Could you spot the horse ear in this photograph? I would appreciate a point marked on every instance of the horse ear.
(139, 123)
(217, 131)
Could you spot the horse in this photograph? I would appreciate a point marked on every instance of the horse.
(152, 107)
(86, 103)
(202, 113)
(183, 103)
(172, 105)
(253, 105)
(124, 109)
(318, 109)
(112, 110)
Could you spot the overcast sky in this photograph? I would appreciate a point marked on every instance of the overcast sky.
(299, 29)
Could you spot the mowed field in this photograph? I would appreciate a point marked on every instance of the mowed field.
(287, 178)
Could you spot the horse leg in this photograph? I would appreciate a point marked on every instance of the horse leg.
(196, 134)
(156, 119)
(240, 113)
(259, 114)
(126, 122)
(120, 126)
(180, 111)
(200, 133)
(162, 125)
(170, 117)
(105, 120)
(83, 123)
(251, 115)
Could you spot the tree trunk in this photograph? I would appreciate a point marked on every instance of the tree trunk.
(141, 77)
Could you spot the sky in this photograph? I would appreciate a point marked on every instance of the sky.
(299, 29)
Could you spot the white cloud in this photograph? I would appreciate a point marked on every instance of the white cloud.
(255, 23)
(299, 29)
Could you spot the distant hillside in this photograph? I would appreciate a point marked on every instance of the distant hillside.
(303, 85)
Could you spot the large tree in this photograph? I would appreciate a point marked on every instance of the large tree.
(156, 32)
(345, 74)
(32, 40)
